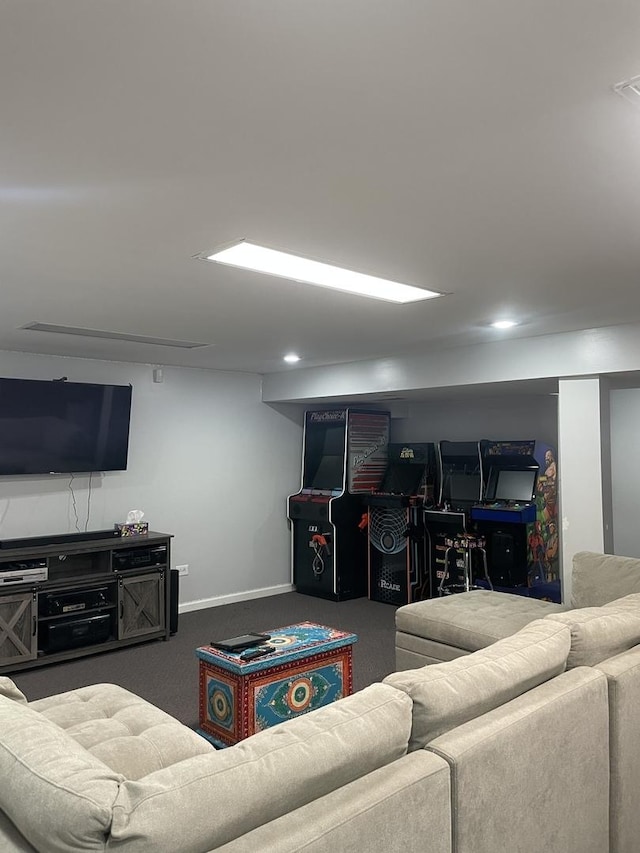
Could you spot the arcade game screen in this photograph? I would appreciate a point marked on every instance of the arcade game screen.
(510, 485)
(329, 473)
(325, 458)
(461, 488)
(403, 479)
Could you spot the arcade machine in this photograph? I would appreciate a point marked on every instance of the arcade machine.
(398, 571)
(456, 553)
(518, 517)
(344, 456)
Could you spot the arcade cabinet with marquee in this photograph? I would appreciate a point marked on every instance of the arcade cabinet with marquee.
(344, 456)
(456, 553)
(518, 516)
(398, 571)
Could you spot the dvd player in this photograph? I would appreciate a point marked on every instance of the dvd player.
(139, 557)
(59, 539)
(23, 571)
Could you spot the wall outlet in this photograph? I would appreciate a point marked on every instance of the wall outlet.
(183, 570)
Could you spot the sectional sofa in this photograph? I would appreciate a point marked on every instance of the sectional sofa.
(517, 747)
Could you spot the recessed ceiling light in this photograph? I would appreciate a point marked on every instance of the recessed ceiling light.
(291, 358)
(273, 262)
(504, 324)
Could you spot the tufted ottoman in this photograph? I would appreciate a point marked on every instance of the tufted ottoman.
(442, 629)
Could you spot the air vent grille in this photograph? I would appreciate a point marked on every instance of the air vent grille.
(630, 90)
(112, 336)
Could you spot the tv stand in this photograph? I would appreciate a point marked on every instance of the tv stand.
(67, 596)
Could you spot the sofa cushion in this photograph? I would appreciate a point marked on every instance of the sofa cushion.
(56, 793)
(471, 620)
(630, 603)
(597, 579)
(208, 800)
(598, 633)
(9, 689)
(129, 734)
(447, 694)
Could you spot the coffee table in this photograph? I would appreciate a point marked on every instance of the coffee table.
(310, 666)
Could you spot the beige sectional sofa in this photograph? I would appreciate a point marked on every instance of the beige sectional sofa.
(518, 747)
(605, 636)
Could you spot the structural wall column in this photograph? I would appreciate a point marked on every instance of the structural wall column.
(583, 426)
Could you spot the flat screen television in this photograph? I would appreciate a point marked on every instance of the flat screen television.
(59, 427)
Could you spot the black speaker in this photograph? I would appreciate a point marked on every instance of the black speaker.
(508, 558)
(174, 588)
(502, 558)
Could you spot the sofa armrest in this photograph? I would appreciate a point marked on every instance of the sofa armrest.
(623, 676)
(600, 578)
(533, 774)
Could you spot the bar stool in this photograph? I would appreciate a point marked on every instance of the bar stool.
(467, 544)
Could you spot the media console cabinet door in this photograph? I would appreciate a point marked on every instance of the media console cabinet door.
(141, 606)
(18, 633)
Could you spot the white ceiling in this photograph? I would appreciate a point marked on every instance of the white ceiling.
(470, 146)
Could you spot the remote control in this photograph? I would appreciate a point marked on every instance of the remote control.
(250, 654)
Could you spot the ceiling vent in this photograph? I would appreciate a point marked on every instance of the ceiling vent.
(111, 336)
(629, 90)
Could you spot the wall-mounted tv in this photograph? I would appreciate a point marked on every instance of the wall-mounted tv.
(59, 427)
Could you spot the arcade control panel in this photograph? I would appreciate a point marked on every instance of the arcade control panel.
(508, 511)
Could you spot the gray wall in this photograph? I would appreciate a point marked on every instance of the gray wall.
(625, 470)
(208, 462)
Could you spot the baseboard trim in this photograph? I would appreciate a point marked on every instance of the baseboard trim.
(204, 603)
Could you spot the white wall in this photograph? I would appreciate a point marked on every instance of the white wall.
(208, 462)
(500, 419)
(580, 451)
(612, 349)
(625, 470)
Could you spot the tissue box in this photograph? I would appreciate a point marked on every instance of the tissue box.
(136, 528)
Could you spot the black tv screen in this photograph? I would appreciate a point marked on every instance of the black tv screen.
(515, 485)
(403, 479)
(462, 487)
(329, 473)
(62, 427)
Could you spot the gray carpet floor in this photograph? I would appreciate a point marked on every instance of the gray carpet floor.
(166, 672)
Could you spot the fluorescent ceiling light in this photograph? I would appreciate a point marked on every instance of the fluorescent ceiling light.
(291, 358)
(273, 262)
(504, 324)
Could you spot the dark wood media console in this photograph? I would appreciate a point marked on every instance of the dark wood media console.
(63, 600)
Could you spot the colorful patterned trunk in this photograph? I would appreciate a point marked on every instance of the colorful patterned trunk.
(310, 666)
